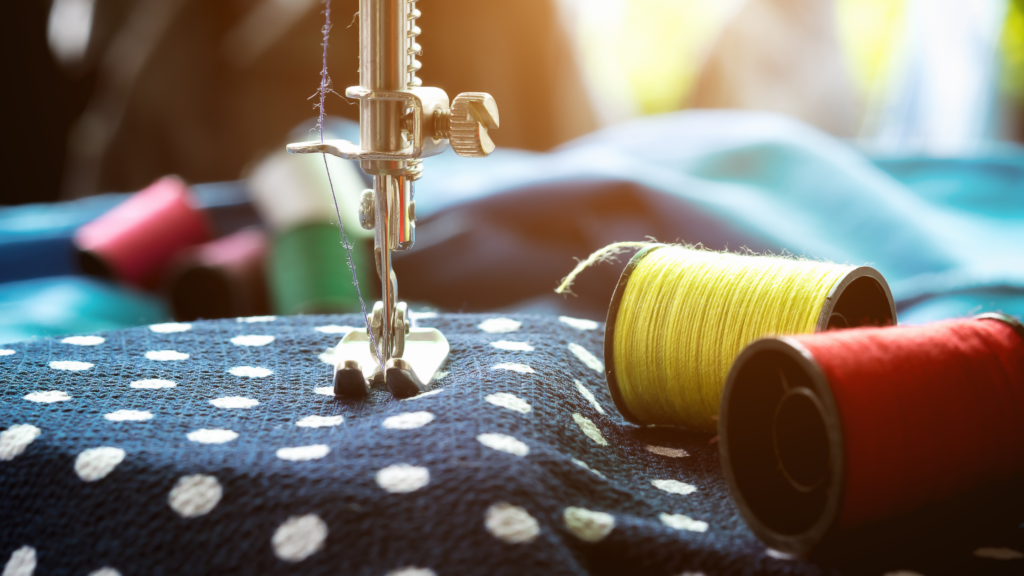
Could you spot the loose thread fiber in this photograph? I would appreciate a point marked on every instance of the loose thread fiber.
(928, 413)
(685, 314)
(325, 87)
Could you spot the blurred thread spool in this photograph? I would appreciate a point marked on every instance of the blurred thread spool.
(221, 279)
(307, 271)
(823, 436)
(737, 299)
(136, 240)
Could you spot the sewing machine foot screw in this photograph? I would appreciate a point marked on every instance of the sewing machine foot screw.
(349, 381)
(402, 380)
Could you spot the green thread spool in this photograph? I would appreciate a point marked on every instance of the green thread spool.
(680, 316)
(307, 271)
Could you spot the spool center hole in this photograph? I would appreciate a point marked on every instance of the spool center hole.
(801, 439)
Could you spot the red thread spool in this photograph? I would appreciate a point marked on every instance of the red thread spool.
(136, 240)
(825, 435)
(221, 279)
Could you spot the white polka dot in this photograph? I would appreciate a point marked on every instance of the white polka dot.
(408, 420)
(589, 396)
(105, 571)
(583, 465)
(95, 463)
(683, 522)
(402, 478)
(152, 384)
(303, 453)
(674, 487)
(48, 396)
(668, 452)
(334, 329)
(425, 315)
(424, 395)
(779, 555)
(7, 352)
(588, 525)
(320, 421)
(511, 524)
(521, 368)
(439, 375)
(70, 365)
(195, 495)
(170, 327)
(325, 390)
(589, 429)
(231, 402)
(21, 563)
(128, 416)
(250, 371)
(587, 358)
(499, 325)
(411, 571)
(252, 340)
(204, 436)
(251, 319)
(329, 356)
(579, 323)
(15, 439)
(503, 443)
(998, 553)
(510, 401)
(299, 538)
(514, 346)
(166, 355)
(84, 340)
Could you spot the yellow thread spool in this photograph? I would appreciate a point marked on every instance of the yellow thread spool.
(680, 316)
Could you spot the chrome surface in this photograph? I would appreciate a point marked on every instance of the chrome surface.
(400, 123)
(367, 210)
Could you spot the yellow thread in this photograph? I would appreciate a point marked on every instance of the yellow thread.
(604, 254)
(685, 314)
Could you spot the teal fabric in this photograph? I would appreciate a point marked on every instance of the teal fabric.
(72, 305)
(948, 234)
(35, 239)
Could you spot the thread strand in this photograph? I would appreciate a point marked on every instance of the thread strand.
(325, 87)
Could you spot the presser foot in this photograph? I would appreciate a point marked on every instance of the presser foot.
(402, 380)
(425, 352)
(349, 381)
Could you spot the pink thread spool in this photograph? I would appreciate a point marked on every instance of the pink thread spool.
(221, 279)
(136, 240)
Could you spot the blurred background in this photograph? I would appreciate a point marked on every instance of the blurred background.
(882, 131)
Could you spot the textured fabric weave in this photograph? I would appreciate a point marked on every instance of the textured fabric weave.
(208, 449)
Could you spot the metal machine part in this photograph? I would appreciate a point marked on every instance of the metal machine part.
(400, 123)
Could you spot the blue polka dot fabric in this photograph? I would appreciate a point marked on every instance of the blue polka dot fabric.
(218, 447)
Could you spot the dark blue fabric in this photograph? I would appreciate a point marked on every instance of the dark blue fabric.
(124, 521)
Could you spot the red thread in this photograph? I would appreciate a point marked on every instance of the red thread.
(928, 413)
(136, 240)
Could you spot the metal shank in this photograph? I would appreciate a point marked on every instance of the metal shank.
(382, 67)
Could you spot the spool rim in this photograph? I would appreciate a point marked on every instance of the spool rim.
(804, 542)
(609, 332)
(836, 293)
(1017, 326)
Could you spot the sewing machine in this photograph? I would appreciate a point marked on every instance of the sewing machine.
(400, 123)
